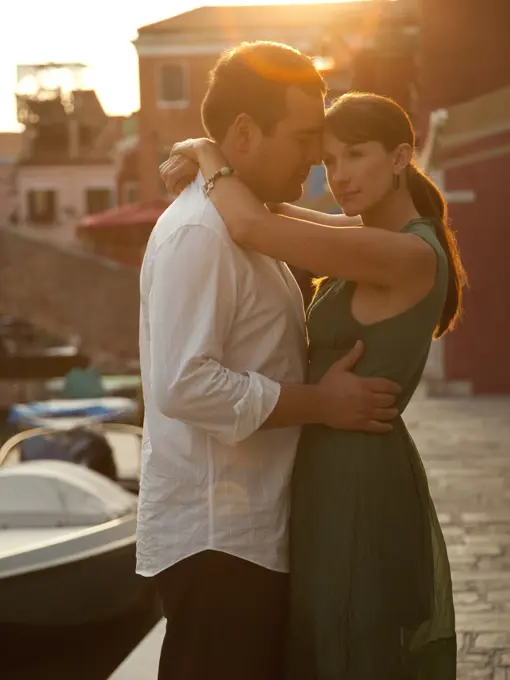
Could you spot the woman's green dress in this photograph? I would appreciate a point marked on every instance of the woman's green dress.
(371, 594)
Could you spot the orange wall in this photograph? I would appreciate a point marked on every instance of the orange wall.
(160, 128)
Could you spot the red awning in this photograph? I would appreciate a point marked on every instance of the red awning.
(142, 213)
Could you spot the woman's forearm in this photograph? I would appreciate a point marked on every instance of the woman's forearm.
(317, 217)
(210, 159)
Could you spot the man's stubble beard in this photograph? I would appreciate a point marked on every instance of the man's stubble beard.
(267, 194)
(264, 192)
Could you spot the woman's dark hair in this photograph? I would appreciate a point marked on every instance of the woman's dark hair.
(355, 118)
(253, 78)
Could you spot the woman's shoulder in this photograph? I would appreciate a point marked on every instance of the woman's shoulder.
(427, 228)
(422, 225)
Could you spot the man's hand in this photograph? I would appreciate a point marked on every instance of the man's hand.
(355, 403)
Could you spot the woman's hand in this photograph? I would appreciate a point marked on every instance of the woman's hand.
(177, 173)
(190, 148)
(182, 165)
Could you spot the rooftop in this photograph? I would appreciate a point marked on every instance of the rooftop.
(288, 16)
(132, 214)
(72, 130)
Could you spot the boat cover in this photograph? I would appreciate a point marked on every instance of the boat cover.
(53, 493)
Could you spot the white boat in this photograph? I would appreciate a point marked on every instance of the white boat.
(67, 545)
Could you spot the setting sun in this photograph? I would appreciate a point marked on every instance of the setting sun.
(36, 33)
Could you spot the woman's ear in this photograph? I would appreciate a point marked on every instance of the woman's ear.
(403, 156)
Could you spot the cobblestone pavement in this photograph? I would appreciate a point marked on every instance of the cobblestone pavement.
(465, 446)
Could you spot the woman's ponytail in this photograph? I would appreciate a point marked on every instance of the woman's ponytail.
(429, 202)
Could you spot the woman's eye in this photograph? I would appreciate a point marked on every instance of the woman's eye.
(355, 153)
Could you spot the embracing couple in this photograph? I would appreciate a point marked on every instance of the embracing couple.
(284, 512)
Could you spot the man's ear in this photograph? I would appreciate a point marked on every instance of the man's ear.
(402, 158)
(245, 132)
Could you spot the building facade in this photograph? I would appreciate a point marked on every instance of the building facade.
(66, 168)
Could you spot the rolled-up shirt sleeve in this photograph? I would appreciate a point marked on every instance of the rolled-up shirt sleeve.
(192, 306)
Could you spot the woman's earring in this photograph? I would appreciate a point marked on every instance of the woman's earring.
(396, 182)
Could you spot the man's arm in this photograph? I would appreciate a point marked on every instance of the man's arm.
(341, 400)
(192, 306)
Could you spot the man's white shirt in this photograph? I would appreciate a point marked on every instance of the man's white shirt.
(220, 329)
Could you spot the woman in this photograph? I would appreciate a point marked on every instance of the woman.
(371, 595)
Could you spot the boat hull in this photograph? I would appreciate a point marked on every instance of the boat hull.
(88, 586)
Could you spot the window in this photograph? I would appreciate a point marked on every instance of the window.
(98, 200)
(42, 206)
(173, 86)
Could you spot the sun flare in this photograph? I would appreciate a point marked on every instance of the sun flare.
(103, 42)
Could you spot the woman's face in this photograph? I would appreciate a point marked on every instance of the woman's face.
(359, 175)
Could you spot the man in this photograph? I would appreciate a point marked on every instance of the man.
(223, 355)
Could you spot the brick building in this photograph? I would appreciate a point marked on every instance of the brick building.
(66, 166)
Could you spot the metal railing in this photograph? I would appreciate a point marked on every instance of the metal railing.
(99, 424)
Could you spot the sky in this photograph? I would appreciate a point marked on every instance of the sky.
(95, 32)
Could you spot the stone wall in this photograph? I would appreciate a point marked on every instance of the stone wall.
(70, 293)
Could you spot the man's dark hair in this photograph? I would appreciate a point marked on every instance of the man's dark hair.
(253, 78)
